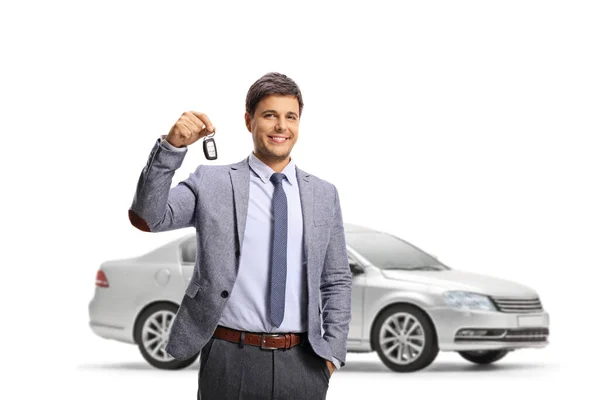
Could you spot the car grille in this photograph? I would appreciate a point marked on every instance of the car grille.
(512, 305)
(527, 335)
(508, 335)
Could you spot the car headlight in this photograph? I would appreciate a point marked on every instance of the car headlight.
(468, 300)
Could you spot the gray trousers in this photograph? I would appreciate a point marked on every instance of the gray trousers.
(228, 372)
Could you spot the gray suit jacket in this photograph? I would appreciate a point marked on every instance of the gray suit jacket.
(214, 200)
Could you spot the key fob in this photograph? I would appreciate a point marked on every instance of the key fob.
(210, 148)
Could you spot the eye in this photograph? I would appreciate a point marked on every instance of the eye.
(291, 116)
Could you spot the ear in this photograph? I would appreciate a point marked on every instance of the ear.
(248, 120)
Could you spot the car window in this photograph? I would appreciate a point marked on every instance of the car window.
(188, 251)
(389, 252)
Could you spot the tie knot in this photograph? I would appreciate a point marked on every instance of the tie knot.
(277, 177)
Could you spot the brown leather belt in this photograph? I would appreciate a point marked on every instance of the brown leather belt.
(268, 341)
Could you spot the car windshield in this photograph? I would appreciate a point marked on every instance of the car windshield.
(389, 252)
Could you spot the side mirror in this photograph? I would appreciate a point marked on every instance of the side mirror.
(355, 268)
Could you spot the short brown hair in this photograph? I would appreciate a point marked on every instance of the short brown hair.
(268, 84)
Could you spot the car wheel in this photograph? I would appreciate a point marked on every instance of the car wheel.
(483, 356)
(151, 334)
(405, 338)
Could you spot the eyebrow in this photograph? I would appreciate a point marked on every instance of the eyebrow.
(275, 112)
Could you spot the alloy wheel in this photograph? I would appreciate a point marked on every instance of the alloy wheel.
(155, 333)
(402, 338)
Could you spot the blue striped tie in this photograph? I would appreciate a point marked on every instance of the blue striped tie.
(278, 252)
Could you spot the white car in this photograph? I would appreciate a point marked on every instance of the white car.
(406, 305)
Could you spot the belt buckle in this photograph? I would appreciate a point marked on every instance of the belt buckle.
(263, 338)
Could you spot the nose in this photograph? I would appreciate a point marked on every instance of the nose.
(281, 125)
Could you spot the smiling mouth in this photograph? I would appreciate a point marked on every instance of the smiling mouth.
(278, 139)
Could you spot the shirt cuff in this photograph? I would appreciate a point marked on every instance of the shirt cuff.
(336, 362)
(169, 146)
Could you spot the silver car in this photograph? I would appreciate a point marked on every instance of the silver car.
(406, 304)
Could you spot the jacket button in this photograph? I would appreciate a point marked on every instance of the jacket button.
(224, 293)
(237, 254)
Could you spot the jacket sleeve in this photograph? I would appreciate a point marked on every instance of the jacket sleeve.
(336, 288)
(157, 207)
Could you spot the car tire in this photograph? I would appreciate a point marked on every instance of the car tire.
(483, 356)
(151, 333)
(413, 343)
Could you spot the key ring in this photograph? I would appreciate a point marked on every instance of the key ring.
(210, 134)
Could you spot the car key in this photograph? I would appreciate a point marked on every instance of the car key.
(210, 147)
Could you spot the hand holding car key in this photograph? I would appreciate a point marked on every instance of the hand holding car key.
(190, 127)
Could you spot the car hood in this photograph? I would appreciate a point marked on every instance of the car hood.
(468, 281)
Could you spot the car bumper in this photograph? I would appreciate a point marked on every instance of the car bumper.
(105, 322)
(459, 330)
(107, 331)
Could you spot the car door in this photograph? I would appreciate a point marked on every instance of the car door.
(187, 258)
(359, 282)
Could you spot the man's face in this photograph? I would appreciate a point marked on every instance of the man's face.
(274, 127)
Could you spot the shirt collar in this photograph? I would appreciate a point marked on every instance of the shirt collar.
(264, 172)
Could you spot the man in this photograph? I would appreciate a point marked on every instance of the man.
(268, 304)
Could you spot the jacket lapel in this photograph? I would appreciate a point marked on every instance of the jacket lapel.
(306, 199)
(240, 180)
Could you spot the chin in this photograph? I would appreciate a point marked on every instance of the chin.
(279, 155)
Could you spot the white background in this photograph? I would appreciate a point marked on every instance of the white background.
(468, 128)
